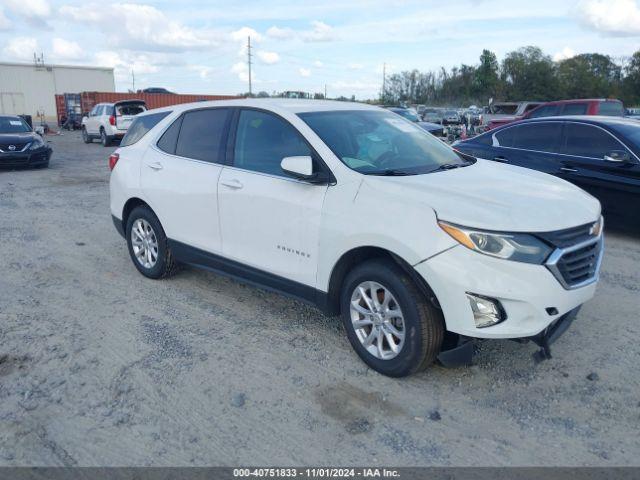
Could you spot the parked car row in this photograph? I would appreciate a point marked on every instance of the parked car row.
(419, 247)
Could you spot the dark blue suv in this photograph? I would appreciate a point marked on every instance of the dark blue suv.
(599, 154)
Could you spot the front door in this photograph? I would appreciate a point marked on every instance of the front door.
(269, 220)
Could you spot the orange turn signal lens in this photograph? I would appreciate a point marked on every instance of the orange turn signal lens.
(457, 235)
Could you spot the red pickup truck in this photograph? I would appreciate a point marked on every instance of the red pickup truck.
(590, 106)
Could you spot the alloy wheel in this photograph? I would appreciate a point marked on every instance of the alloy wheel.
(377, 320)
(144, 243)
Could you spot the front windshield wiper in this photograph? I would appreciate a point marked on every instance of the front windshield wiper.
(451, 166)
(389, 172)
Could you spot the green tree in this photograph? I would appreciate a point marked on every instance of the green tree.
(529, 74)
(487, 76)
(631, 82)
(589, 75)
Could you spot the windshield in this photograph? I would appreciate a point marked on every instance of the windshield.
(504, 109)
(13, 125)
(380, 143)
(631, 131)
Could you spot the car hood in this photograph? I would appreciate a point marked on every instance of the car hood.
(11, 138)
(492, 196)
(429, 125)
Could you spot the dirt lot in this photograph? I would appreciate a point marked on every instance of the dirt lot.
(100, 366)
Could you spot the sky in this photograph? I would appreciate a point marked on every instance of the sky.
(196, 46)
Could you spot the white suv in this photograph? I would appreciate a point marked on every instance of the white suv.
(362, 213)
(110, 121)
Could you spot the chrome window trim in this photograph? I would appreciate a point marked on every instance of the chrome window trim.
(496, 142)
(24, 149)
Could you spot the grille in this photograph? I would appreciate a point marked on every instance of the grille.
(580, 265)
(19, 147)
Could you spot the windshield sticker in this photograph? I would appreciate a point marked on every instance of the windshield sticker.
(15, 123)
(400, 124)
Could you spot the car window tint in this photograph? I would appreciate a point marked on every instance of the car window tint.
(589, 141)
(263, 140)
(140, 127)
(611, 109)
(505, 137)
(543, 137)
(546, 111)
(486, 139)
(575, 109)
(201, 134)
(169, 138)
(109, 110)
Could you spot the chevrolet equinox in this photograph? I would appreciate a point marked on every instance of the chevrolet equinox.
(419, 248)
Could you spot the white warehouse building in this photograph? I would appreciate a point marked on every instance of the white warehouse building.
(30, 88)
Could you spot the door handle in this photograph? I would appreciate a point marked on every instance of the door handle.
(235, 184)
(567, 169)
(500, 159)
(155, 165)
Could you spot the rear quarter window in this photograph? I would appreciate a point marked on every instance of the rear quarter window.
(611, 109)
(141, 126)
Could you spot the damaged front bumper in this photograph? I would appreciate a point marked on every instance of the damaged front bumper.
(461, 353)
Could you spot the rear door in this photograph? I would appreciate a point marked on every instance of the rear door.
(93, 120)
(180, 173)
(530, 145)
(126, 111)
(584, 148)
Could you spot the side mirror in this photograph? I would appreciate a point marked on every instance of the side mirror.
(299, 167)
(618, 156)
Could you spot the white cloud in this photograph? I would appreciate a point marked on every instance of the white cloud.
(356, 66)
(204, 71)
(564, 54)
(30, 9)
(268, 57)
(21, 48)
(304, 72)
(243, 33)
(613, 17)
(140, 27)
(280, 33)
(241, 70)
(5, 24)
(321, 32)
(67, 50)
(124, 63)
(318, 64)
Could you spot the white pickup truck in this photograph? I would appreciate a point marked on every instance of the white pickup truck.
(505, 112)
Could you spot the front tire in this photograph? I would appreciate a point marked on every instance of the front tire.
(390, 324)
(85, 136)
(148, 246)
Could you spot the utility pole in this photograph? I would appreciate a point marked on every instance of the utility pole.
(325, 91)
(133, 81)
(384, 79)
(249, 62)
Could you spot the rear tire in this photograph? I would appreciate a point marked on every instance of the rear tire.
(105, 139)
(418, 335)
(85, 136)
(148, 245)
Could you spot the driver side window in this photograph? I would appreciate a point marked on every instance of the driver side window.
(263, 140)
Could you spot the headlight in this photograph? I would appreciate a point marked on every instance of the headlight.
(519, 247)
(36, 144)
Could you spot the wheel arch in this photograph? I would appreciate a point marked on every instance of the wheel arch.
(129, 206)
(358, 255)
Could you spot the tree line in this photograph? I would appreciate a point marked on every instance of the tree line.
(524, 74)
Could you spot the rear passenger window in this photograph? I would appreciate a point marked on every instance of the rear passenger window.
(546, 111)
(140, 127)
(169, 139)
(263, 140)
(588, 141)
(542, 137)
(611, 109)
(108, 110)
(505, 137)
(575, 109)
(201, 134)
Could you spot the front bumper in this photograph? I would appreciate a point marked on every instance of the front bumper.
(527, 292)
(25, 159)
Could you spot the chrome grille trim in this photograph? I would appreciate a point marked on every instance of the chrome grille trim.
(562, 271)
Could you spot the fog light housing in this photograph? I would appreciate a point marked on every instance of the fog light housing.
(486, 311)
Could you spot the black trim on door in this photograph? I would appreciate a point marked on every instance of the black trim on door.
(244, 273)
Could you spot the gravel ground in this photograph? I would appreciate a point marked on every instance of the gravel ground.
(102, 367)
